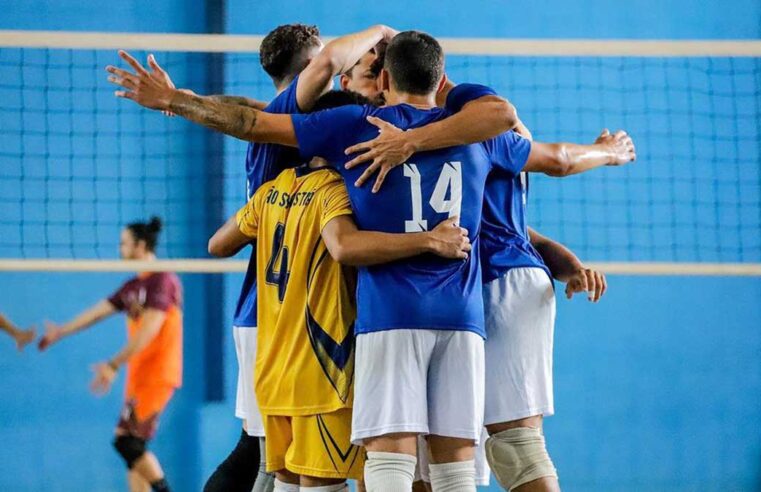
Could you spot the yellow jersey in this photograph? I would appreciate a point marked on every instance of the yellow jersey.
(306, 305)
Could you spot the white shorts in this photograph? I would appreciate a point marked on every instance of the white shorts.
(420, 381)
(520, 321)
(246, 407)
(483, 472)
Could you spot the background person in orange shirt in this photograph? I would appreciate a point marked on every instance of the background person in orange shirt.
(153, 353)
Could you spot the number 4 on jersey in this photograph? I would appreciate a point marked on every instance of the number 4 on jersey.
(448, 184)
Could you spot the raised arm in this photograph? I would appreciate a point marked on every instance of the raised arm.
(87, 318)
(566, 267)
(337, 57)
(350, 246)
(565, 159)
(151, 89)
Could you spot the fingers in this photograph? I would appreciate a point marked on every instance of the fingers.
(380, 179)
(381, 124)
(605, 133)
(367, 174)
(367, 156)
(154, 65)
(569, 290)
(604, 283)
(133, 63)
(125, 94)
(125, 82)
(591, 284)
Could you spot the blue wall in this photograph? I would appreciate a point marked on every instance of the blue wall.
(657, 387)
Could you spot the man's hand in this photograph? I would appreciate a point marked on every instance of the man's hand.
(149, 89)
(587, 280)
(449, 240)
(620, 145)
(386, 151)
(53, 333)
(103, 379)
(24, 338)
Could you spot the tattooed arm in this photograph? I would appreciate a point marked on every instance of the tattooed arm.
(151, 90)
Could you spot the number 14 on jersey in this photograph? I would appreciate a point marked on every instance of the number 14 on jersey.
(446, 197)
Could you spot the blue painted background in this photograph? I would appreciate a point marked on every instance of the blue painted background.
(658, 387)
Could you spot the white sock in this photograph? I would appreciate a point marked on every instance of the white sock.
(458, 476)
(339, 487)
(285, 487)
(389, 472)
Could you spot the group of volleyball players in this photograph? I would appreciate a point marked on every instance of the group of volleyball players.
(446, 326)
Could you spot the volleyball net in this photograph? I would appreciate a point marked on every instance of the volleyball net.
(78, 164)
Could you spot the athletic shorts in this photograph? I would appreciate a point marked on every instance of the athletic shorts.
(520, 320)
(141, 411)
(246, 407)
(314, 445)
(419, 381)
(483, 472)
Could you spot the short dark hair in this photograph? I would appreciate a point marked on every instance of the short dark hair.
(146, 231)
(283, 53)
(415, 62)
(334, 99)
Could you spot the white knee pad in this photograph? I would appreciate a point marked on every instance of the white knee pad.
(389, 472)
(519, 456)
(458, 476)
(285, 487)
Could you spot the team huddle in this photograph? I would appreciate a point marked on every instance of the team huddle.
(395, 324)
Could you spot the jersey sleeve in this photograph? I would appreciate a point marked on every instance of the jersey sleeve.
(335, 202)
(115, 299)
(160, 292)
(248, 216)
(508, 152)
(462, 94)
(328, 133)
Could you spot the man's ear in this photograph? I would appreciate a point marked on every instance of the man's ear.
(384, 80)
(343, 81)
(442, 83)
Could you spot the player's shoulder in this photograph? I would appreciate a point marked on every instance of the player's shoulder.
(163, 279)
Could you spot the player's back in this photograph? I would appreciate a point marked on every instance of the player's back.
(421, 292)
(306, 310)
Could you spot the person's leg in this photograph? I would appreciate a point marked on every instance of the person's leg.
(390, 404)
(456, 399)
(265, 482)
(136, 482)
(285, 481)
(520, 316)
(235, 473)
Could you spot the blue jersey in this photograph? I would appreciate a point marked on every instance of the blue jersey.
(504, 238)
(263, 163)
(505, 241)
(423, 292)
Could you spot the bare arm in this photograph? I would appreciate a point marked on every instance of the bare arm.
(228, 240)
(565, 159)
(566, 267)
(87, 318)
(239, 100)
(337, 57)
(152, 319)
(350, 246)
(152, 90)
(105, 372)
(22, 337)
(479, 120)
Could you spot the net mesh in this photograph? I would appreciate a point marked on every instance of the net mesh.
(77, 163)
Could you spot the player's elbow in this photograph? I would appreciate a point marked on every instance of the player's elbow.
(559, 163)
(507, 114)
(218, 249)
